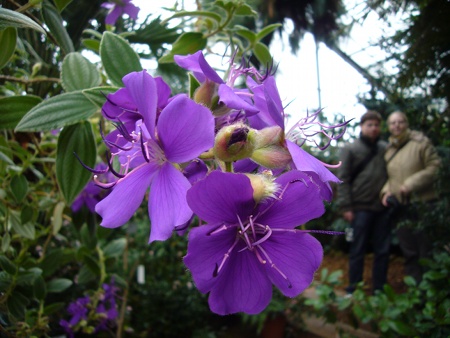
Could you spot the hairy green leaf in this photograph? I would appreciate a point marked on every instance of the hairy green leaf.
(13, 108)
(71, 175)
(97, 95)
(118, 58)
(54, 22)
(58, 285)
(57, 111)
(187, 43)
(10, 18)
(78, 73)
(8, 39)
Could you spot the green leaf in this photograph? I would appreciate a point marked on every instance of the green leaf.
(7, 265)
(53, 308)
(13, 108)
(118, 58)
(58, 217)
(212, 15)
(58, 285)
(71, 175)
(39, 288)
(19, 187)
(115, 248)
(92, 264)
(8, 39)
(262, 54)
(78, 73)
(88, 237)
(61, 4)
(85, 275)
(187, 43)
(17, 304)
(246, 10)
(56, 112)
(245, 33)
(51, 262)
(6, 240)
(267, 30)
(402, 328)
(27, 277)
(97, 95)
(5, 281)
(10, 18)
(54, 22)
(92, 44)
(193, 85)
(26, 230)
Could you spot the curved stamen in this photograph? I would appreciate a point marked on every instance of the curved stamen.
(273, 266)
(115, 173)
(123, 130)
(112, 144)
(144, 149)
(102, 184)
(95, 171)
(225, 258)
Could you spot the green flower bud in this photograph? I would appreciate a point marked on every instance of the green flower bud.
(234, 142)
(271, 151)
(206, 94)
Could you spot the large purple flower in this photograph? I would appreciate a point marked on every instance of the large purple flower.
(245, 248)
(118, 8)
(155, 150)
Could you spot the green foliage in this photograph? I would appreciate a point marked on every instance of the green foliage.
(8, 38)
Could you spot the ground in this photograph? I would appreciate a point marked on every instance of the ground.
(337, 260)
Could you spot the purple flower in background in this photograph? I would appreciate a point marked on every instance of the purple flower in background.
(79, 311)
(154, 151)
(245, 248)
(92, 193)
(118, 8)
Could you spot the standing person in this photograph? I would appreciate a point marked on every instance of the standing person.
(363, 174)
(412, 165)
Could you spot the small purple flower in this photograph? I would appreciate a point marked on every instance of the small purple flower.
(245, 248)
(79, 311)
(154, 150)
(118, 8)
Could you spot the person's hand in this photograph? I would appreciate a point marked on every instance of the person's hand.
(405, 191)
(348, 216)
(384, 199)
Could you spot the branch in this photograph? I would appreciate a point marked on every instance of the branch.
(26, 82)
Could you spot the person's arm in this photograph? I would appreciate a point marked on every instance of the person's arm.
(425, 177)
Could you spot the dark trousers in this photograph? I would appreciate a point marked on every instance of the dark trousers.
(414, 245)
(370, 226)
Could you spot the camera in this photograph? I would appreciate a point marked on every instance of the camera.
(393, 202)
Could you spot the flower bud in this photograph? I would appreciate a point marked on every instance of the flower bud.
(270, 150)
(234, 142)
(206, 94)
(263, 185)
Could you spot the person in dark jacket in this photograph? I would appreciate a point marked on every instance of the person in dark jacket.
(363, 174)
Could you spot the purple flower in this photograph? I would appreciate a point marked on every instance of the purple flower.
(154, 150)
(79, 311)
(118, 8)
(245, 248)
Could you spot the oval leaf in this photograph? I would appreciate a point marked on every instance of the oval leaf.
(17, 304)
(19, 187)
(56, 112)
(58, 285)
(262, 54)
(55, 23)
(8, 38)
(71, 175)
(187, 43)
(115, 248)
(10, 18)
(58, 217)
(13, 108)
(61, 4)
(78, 73)
(98, 95)
(118, 58)
(7, 265)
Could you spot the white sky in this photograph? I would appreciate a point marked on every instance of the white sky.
(296, 75)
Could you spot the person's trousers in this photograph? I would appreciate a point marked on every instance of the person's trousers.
(374, 227)
(414, 245)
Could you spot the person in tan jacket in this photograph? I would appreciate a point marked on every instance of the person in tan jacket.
(412, 164)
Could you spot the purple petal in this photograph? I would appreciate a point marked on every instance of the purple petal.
(164, 92)
(244, 166)
(300, 201)
(197, 64)
(185, 129)
(234, 101)
(113, 15)
(240, 286)
(195, 171)
(222, 197)
(117, 208)
(167, 205)
(306, 162)
(131, 10)
(297, 256)
(142, 89)
(120, 106)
